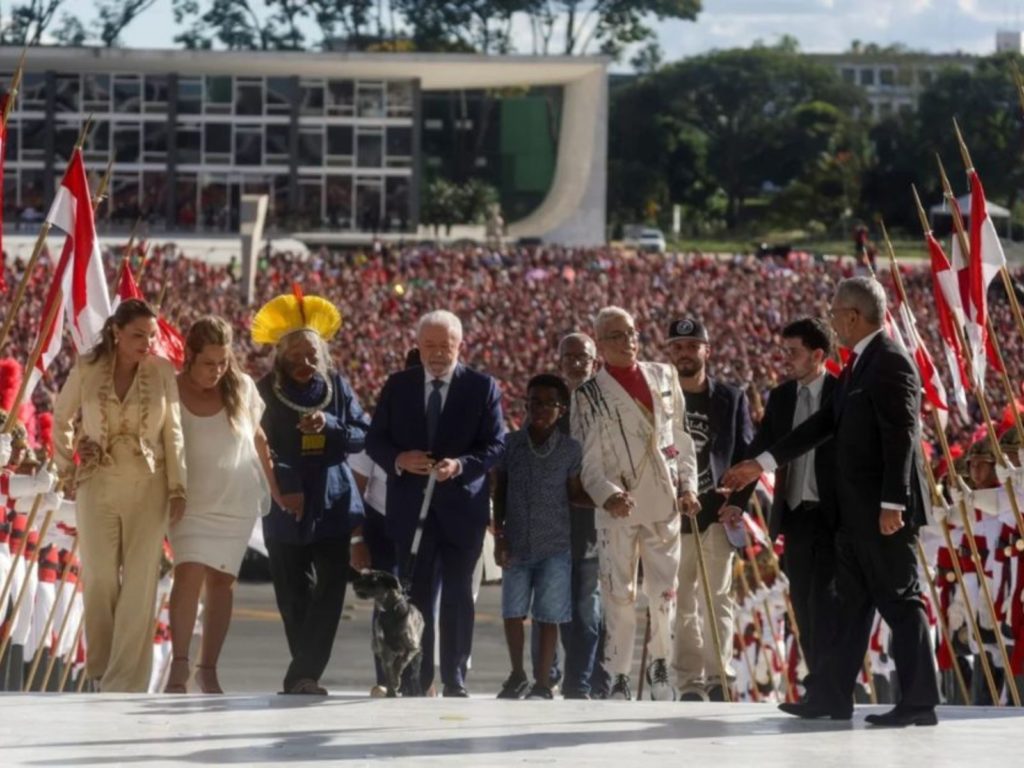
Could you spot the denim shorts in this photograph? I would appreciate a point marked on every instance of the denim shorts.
(546, 583)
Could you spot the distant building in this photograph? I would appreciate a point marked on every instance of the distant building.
(892, 81)
(338, 140)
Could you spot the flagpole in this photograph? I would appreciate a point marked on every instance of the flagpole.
(772, 630)
(5, 592)
(955, 479)
(974, 376)
(12, 94)
(30, 562)
(37, 250)
(49, 620)
(62, 684)
(54, 654)
(126, 256)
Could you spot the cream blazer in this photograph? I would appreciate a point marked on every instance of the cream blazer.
(149, 419)
(624, 451)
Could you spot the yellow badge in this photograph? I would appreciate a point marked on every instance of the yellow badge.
(313, 443)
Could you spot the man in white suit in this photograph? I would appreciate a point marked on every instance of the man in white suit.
(640, 468)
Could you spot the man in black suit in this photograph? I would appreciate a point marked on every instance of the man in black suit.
(873, 417)
(803, 509)
(718, 420)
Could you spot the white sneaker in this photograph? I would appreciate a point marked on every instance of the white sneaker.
(657, 679)
(620, 690)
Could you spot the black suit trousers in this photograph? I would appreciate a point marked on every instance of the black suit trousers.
(309, 584)
(880, 572)
(809, 563)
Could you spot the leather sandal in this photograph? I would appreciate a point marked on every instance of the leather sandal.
(177, 678)
(206, 679)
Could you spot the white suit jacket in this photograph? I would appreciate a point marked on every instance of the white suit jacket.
(623, 451)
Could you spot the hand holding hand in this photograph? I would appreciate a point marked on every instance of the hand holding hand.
(619, 504)
(445, 469)
(293, 504)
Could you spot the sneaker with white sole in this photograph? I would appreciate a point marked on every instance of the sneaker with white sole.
(657, 680)
(620, 689)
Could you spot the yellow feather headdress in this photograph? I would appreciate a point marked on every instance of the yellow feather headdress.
(293, 312)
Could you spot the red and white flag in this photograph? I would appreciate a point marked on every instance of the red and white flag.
(934, 389)
(987, 259)
(169, 343)
(88, 300)
(946, 291)
(79, 283)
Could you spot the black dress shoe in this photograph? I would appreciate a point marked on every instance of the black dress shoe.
(455, 692)
(810, 710)
(901, 717)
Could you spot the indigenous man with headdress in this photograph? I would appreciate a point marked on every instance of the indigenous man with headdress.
(313, 421)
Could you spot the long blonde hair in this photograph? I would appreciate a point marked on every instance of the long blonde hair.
(213, 330)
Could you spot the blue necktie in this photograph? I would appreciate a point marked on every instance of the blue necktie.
(433, 411)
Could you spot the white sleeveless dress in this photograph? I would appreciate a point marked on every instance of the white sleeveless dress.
(227, 490)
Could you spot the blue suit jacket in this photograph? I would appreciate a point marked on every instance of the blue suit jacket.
(471, 429)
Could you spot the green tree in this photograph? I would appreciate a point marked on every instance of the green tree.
(442, 205)
(28, 21)
(242, 24)
(115, 15)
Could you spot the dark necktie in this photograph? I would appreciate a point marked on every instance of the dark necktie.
(433, 411)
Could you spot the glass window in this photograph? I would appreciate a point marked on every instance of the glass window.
(248, 97)
(156, 90)
(155, 138)
(278, 138)
(33, 92)
(369, 198)
(124, 198)
(64, 137)
(396, 204)
(218, 142)
(214, 209)
(339, 202)
(311, 97)
(10, 193)
(279, 96)
(67, 92)
(189, 140)
(280, 210)
(904, 76)
(33, 206)
(13, 139)
(154, 197)
(185, 187)
(33, 139)
(370, 99)
(399, 147)
(849, 75)
(341, 97)
(190, 95)
(886, 77)
(126, 142)
(311, 201)
(339, 145)
(218, 95)
(127, 93)
(867, 77)
(370, 149)
(311, 146)
(248, 145)
(95, 93)
(399, 98)
(97, 144)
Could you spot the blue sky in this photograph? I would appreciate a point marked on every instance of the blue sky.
(819, 25)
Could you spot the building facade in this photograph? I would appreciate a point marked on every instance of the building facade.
(334, 139)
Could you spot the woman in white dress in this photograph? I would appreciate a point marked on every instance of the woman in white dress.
(231, 482)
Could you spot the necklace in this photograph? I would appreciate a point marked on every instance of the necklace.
(302, 409)
(551, 448)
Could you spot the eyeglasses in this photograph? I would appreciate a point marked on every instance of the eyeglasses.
(617, 337)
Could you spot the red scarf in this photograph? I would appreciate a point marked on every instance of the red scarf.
(632, 380)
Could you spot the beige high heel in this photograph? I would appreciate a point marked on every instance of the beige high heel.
(206, 679)
(177, 678)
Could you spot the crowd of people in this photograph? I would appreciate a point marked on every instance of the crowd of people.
(720, 322)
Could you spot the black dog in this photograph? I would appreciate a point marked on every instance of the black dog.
(397, 627)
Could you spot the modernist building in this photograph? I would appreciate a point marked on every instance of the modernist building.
(334, 139)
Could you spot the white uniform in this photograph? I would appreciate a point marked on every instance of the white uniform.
(652, 457)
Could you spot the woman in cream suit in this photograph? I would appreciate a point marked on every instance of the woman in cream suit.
(131, 475)
(640, 469)
(230, 483)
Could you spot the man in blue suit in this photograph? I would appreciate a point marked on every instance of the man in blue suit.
(445, 419)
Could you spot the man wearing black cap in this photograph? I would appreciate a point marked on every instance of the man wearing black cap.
(718, 419)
